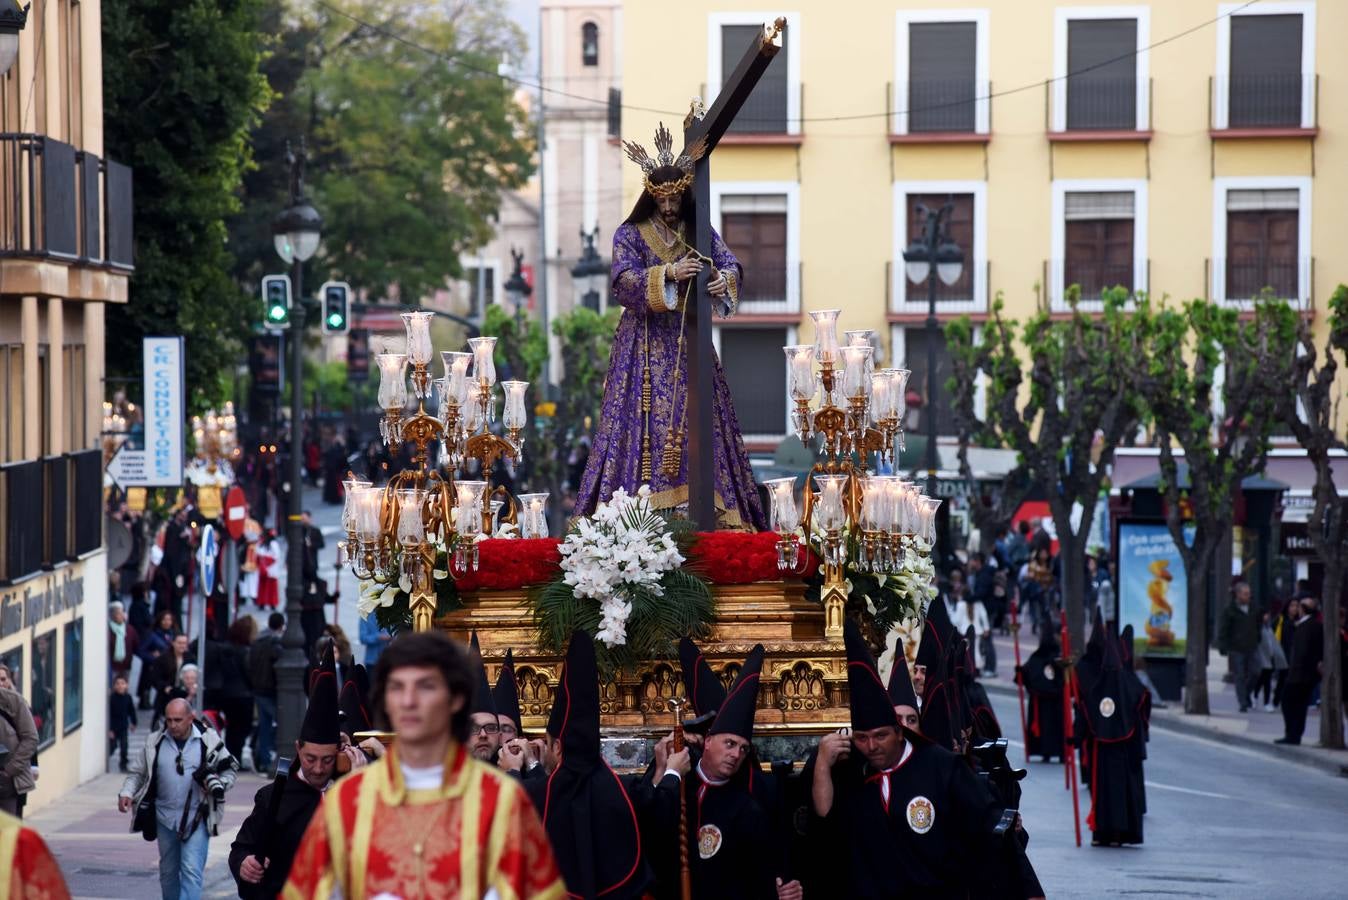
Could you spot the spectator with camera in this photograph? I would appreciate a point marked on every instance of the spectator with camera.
(176, 788)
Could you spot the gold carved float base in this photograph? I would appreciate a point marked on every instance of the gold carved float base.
(803, 689)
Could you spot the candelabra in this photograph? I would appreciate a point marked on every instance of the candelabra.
(855, 410)
(394, 532)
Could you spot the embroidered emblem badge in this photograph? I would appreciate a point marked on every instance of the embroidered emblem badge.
(921, 814)
(1049, 672)
(708, 841)
(1107, 707)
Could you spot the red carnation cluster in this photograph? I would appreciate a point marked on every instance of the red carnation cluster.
(721, 557)
(508, 565)
(735, 557)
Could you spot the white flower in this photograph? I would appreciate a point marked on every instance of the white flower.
(390, 594)
(625, 544)
(405, 584)
(439, 574)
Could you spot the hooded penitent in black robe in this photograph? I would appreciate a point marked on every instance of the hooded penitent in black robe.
(981, 716)
(1112, 720)
(734, 845)
(1087, 672)
(1042, 677)
(933, 836)
(939, 713)
(506, 694)
(1144, 710)
(590, 818)
(274, 828)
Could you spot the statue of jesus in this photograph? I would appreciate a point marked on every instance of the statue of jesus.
(642, 436)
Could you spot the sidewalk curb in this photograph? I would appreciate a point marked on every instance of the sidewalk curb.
(1313, 757)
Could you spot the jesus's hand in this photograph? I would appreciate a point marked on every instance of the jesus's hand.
(718, 286)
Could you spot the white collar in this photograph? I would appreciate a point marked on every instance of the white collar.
(711, 781)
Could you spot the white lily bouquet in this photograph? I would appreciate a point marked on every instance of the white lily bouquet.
(624, 548)
(623, 581)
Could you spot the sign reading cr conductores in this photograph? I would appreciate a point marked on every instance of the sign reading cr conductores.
(163, 411)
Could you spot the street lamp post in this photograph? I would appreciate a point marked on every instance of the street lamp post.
(518, 290)
(935, 250)
(588, 273)
(295, 232)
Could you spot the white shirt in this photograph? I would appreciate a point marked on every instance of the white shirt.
(427, 779)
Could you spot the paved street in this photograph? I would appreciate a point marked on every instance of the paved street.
(1223, 821)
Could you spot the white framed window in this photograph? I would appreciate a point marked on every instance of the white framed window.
(476, 289)
(1099, 238)
(1101, 68)
(774, 106)
(968, 228)
(1261, 237)
(940, 62)
(755, 371)
(1265, 65)
(907, 350)
(760, 223)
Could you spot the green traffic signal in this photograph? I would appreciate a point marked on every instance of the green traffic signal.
(276, 300)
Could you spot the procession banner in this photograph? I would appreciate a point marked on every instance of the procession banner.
(1153, 595)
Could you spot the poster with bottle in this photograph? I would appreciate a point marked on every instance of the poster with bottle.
(1153, 595)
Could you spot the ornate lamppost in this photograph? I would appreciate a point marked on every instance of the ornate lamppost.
(934, 256)
(589, 272)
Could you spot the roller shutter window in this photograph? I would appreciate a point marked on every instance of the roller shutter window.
(1102, 74)
(1265, 73)
(942, 87)
(764, 112)
(755, 370)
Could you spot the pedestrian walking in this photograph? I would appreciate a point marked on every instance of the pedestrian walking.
(248, 562)
(1270, 659)
(269, 569)
(1303, 672)
(262, 657)
(121, 719)
(1105, 596)
(158, 641)
(315, 595)
(236, 694)
(971, 613)
(1238, 639)
(373, 638)
(177, 787)
(167, 667)
(18, 746)
(122, 640)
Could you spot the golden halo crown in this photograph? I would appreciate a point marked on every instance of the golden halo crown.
(664, 150)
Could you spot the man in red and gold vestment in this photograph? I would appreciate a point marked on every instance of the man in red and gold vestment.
(427, 820)
(26, 865)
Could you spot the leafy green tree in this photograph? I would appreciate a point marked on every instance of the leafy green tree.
(1319, 431)
(1188, 348)
(181, 89)
(413, 138)
(1079, 401)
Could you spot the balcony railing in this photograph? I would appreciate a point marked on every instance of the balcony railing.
(1085, 104)
(968, 294)
(1242, 281)
(771, 289)
(936, 106)
(1264, 102)
(50, 512)
(60, 203)
(1092, 279)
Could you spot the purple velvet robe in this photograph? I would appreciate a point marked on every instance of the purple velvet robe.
(639, 257)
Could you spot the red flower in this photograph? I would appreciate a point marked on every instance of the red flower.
(508, 565)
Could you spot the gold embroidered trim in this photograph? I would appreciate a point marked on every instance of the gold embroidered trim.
(727, 519)
(655, 289)
(657, 244)
(732, 293)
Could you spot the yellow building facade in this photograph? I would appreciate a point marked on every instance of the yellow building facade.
(65, 253)
(1189, 149)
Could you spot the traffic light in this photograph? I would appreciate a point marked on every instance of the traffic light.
(276, 301)
(336, 307)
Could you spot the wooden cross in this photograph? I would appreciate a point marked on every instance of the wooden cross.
(701, 383)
